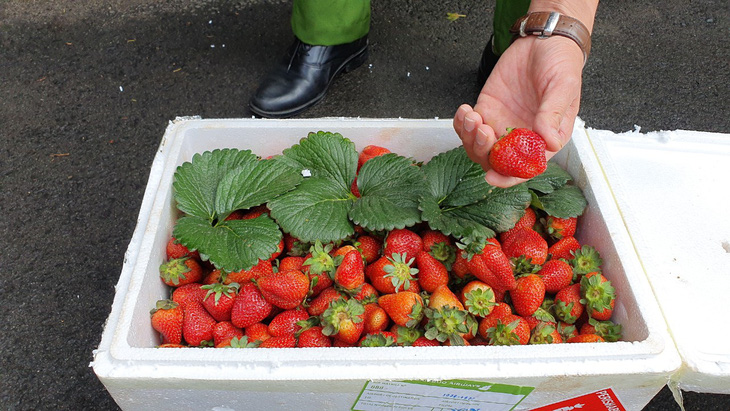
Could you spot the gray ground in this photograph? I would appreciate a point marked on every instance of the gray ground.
(87, 89)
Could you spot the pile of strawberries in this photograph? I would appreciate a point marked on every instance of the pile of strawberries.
(533, 284)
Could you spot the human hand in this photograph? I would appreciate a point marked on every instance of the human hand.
(536, 84)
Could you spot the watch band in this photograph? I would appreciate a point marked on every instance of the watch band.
(549, 23)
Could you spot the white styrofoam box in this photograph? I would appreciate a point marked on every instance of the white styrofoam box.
(140, 376)
(672, 190)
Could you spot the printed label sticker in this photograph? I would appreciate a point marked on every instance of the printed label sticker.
(601, 400)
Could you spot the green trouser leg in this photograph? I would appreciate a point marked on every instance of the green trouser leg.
(506, 12)
(330, 22)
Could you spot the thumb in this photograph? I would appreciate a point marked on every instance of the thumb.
(558, 99)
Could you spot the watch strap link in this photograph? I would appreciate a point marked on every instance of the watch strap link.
(545, 24)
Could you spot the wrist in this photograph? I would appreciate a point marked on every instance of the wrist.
(582, 10)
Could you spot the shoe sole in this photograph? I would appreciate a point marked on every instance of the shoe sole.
(348, 65)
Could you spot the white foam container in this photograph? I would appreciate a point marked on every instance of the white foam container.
(673, 190)
(139, 376)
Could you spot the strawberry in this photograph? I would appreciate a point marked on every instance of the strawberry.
(285, 290)
(540, 315)
(175, 250)
(286, 322)
(313, 337)
(369, 247)
(291, 263)
(181, 271)
(255, 212)
(391, 274)
(367, 292)
(556, 274)
(167, 319)
(520, 153)
(499, 311)
(404, 308)
(198, 325)
(295, 247)
(350, 274)
(406, 336)
(402, 241)
(223, 332)
(257, 332)
(262, 268)
(317, 282)
(215, 276)
(599, 296)
(319, 259)
(528, 294)
(235, 215)
(566, 330)
(171, 346)
(219, 300)
(478, 298)
(442, 296)
(431, 272)
(545, 333)
(528, 220)
(189, 294)
(322, 301)
(341, 251)
(558, 228)
(586, 260)
(460, 267)
(286, 341)
(567, 306)
(425, 342)
(249, 306)
(279, 250)
(378, 339)
(353, 188)
(608, 330)
(440, 246)
(376, 319)
(564, 248)
(239, 342)
(343, 320)
(509, 330)
(368, 152)
(493, 267)
(451, 324)
(526, 245)
(586, 338)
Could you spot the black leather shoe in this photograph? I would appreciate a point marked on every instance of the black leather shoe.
(487, 63)
(302, 77)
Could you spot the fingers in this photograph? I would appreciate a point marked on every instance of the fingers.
(557, 111)
(477, 137)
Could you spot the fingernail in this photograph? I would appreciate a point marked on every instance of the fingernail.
(469, 124)
(481, 138)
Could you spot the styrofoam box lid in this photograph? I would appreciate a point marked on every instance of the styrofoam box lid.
(128, 363)
(671, 188)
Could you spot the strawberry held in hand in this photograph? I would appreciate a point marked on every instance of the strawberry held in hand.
(520, 153)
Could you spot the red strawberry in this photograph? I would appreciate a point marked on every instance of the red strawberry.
(528, 294)
(391, 274)
(608, 330)
(378, 339)
(291, 263)
(493, 267)
(460, 267)
(181, 271)
(286, 341)
(257, 332)
(564, 248)
(567, 306)
(545, 333)
(249, 306)
(198, 325)
(353, 188)
(478, 298)
(425, 342)
(450, 324)
(285, 323)
(556, 274)
(343, 320)
(526, 243)
(367, 293)
(285, 290)
(368, 152)
(255, 212)
(215, 276)
(528, 220)
(376, 319)
(318, 282)
(558, 228)
(431, 272)
(586, 338)
(369, 247)
(402, 241)
(499, 311)
(341, 252)
(261, 269)
(509, 330)
(350, 274)
(320, 303)
(520, 153)
(188, 294)
(442, 296)
(313, 337)
(239, 342)
(223, 332)
(219, 300)
(440, 246)
(599, 296)
(167, 319)
(175, 250)
(295, 247)
(566, 330)
(404, 308)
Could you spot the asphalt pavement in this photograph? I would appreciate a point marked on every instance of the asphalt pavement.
(88, 88)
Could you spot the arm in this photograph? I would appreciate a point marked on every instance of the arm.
(536, 84)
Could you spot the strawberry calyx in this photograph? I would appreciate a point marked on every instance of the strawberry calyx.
(377, 340)
(415, 316)
(444, 253)
(543, 333)
(449, 323)
(564, 311)
(400, 271)
(522, 265)
(339, 311)
(543, 315)
(220, 289)
(585, 260)
(471, 245)
(304, 325)
(321, 260)
(242, 342)
(407, 335)
(503, 334)
(174, 270)
(164, 305)
(480, 301)
(609, 330)
(597, 292)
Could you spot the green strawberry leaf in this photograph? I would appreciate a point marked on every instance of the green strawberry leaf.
(455, 180)
(390, 188)
(325, 155)
(196, 182)
(316, 210)
(253, 184)
(565, 202)
(232, 245)
(551, 179)
(451, 224)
